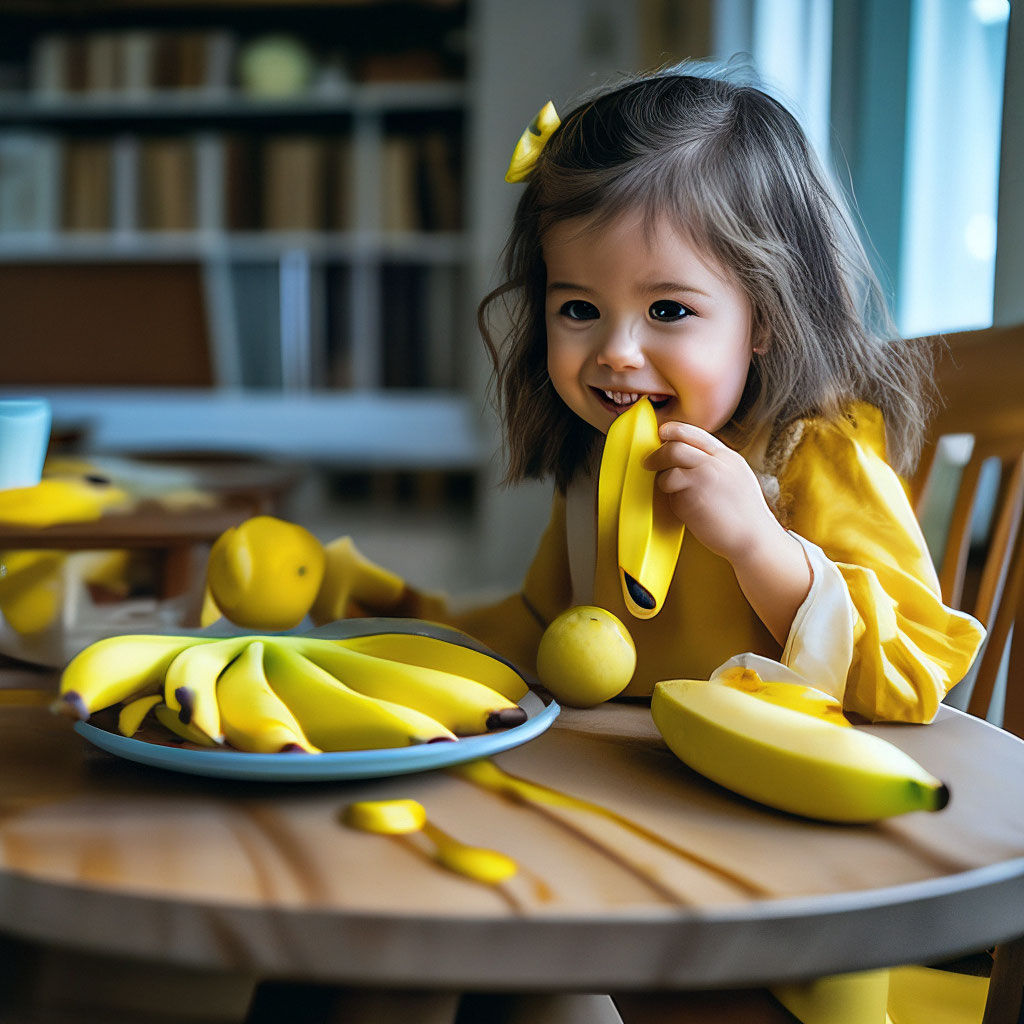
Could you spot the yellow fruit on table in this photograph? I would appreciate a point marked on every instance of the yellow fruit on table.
(586, 656)
(263, 574)
(785, 749)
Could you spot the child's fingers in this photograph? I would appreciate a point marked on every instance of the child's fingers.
(674, 480)
(675, 430)
(675, 454)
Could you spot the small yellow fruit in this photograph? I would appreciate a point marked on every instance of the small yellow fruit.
(265, 573)
(586, 656)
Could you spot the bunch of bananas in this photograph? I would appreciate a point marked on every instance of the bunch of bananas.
(270, 694)
(788, 745)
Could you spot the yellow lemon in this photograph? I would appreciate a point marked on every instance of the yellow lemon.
(586, 656)
(264, 573)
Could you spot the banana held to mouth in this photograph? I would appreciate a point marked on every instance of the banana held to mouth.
(629, 502)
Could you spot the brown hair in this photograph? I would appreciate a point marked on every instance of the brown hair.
(733, 169)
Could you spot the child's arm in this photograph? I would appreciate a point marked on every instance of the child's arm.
(839, 492)
(715, 493)
(874, 614)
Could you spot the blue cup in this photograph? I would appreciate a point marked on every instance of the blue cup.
(24, 436)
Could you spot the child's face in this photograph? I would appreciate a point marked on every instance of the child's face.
(631, 314)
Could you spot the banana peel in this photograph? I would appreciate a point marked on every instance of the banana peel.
(634, 517)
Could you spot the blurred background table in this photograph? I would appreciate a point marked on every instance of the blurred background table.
(231, 490)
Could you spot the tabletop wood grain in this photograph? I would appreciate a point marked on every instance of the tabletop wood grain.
(97, 852)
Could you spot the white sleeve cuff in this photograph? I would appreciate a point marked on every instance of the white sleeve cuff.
(820, 643)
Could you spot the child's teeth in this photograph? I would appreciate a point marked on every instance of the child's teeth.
(622, 397)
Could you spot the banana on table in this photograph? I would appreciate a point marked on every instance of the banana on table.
(764, 733)
(270, 694)
(75, 490)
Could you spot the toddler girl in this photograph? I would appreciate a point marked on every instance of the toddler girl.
(676, 239)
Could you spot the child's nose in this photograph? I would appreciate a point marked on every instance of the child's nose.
(621, 349)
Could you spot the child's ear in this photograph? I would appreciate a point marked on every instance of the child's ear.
(760, 336)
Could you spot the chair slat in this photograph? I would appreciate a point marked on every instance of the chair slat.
(954, 559)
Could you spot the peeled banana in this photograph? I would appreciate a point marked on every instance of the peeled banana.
(635, 519)
(781, 744)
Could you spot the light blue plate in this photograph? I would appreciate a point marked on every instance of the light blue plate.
(346, 764)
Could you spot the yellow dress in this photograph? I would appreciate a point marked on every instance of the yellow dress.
(873, 629)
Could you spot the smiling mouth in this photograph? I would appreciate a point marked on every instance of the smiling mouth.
(619, 401)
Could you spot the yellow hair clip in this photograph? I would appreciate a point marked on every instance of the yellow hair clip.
(531, 142)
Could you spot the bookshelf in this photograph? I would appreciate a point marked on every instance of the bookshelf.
(308, 160)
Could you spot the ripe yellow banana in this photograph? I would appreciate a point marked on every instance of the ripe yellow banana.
(171, 720)
(253, 717)
(190, 683)
(443, 655)
(129, 720)
(58, 500)
(31, 589)
(336, 717)
(788, 758)
(462, 705)
(634, 516)
(353, 585)
(117, 669)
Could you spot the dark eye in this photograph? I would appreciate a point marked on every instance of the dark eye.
(577, 309)
(668, 311)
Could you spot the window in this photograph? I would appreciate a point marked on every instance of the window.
(904, 102)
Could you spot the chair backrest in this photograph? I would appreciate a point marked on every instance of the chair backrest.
(980, 380)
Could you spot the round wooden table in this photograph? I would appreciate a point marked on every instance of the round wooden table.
(689, 887)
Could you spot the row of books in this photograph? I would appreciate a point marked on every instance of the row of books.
(271, 183)
(142, 61)
(135, 61)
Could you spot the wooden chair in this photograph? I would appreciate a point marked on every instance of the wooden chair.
(980, 378)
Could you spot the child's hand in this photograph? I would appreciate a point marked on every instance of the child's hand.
(713, 491)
